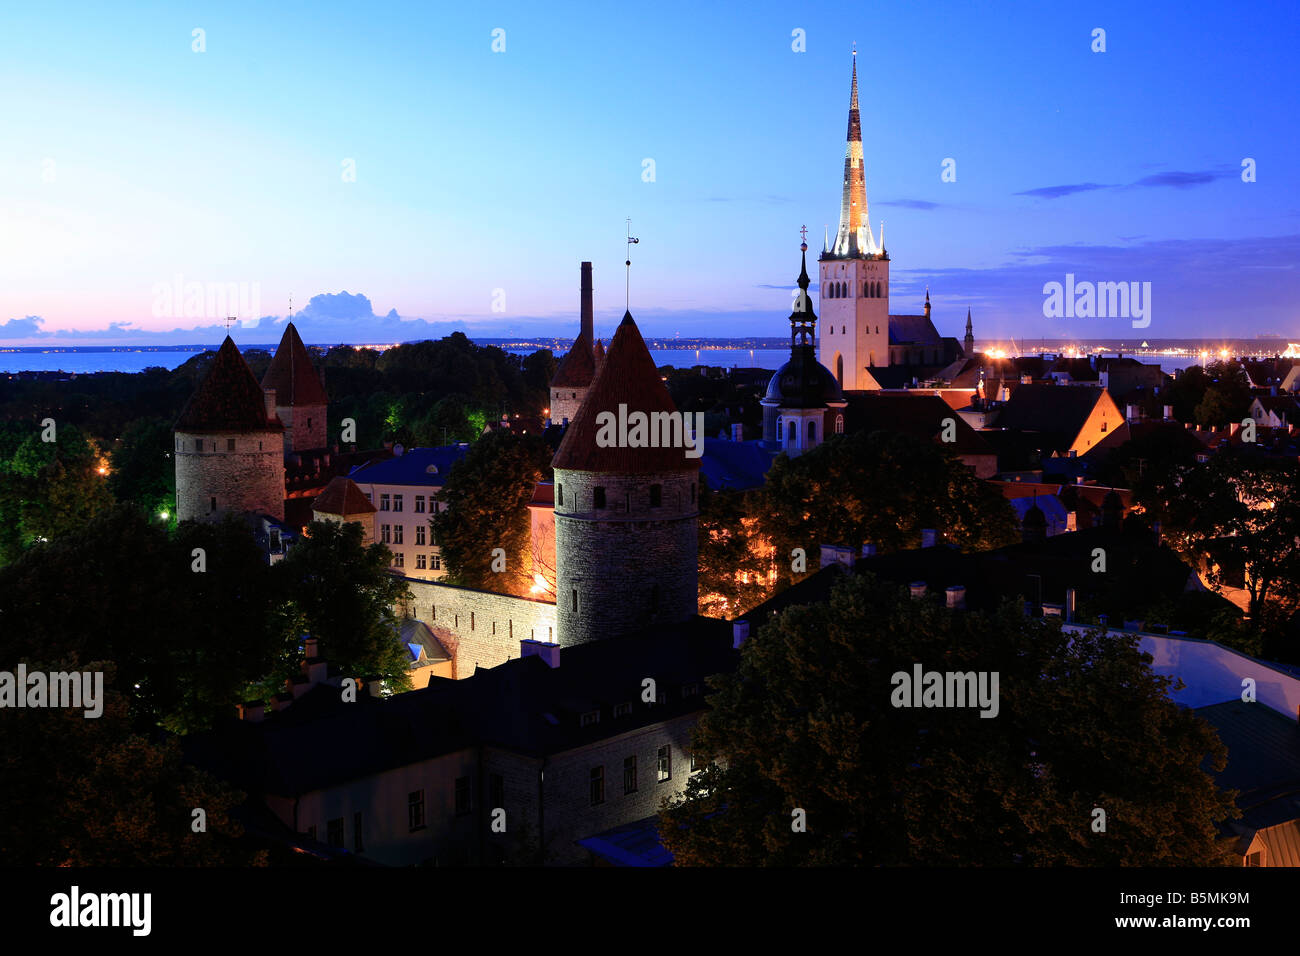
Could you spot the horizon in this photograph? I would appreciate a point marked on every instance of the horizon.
(1118, 165)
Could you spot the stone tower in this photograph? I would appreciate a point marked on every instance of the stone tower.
(577, 369)
(300, 401)
(968, 343)
(854, 282)
(803, 400)
(229, 445)
(625, 517)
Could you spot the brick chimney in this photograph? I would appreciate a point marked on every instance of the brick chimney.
(268, 398)
(588, 322)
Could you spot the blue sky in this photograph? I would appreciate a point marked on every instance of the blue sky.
(130, 164)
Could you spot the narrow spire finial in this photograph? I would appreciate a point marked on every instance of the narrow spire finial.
(627, 288)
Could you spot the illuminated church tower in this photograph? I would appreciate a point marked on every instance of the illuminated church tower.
(854, 287)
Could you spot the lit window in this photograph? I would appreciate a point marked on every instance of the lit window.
(419, 504)
(665, 763)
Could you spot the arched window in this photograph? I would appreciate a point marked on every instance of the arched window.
(866, 289)
(839, 370)
(844, 330)
(789, 433)
(839, 424)
(812, 433)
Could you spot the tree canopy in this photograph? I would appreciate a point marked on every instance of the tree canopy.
(808, 722)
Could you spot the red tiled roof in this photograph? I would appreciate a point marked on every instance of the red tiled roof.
(228, 399)
(292, 375)
(342, 497)
(578, 368)
(628, 376)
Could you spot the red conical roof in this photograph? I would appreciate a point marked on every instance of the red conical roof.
(342, 497)
(628, 376)
(292, 375)
(229, 398)
(578, 368)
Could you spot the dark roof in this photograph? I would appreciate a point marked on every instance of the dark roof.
(912, 330)
(578, 368)
(1263, 761)
(229, 399)
(342, 497)
(292, 374)
(922, 416)
(412, 467)
(1079, 369)
(803, 382)
(1055, 411)
(902, 376)
(321, 741)
(628, 376)
(736, 464)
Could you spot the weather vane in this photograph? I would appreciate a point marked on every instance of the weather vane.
(803, 233)
(627, 286)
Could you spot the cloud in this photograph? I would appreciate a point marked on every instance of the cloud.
(24, 328)
(1181, 180)
(1056, 192)
(908, 203)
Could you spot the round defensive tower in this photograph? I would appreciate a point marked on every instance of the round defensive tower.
(625, 517)
(300, 401)
(229, 445)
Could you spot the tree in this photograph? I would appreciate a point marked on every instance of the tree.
(53, 488)
(341, 592)
(93, 792)
(809, 722)
(735, 560)
(881, 488)
(1239, 514)
(143, 470)
(191, 620)
(485, 507)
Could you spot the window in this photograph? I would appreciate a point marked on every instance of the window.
(1254, 859)
(691, 690)
(212, 506)
(419, 504)
(274, 536)
(623, 710)
(597, 785)
(471, 620)
(598, 498)
(559, 495)
(665, 763)
(656, 496)
(789, 432)
(629, 775)
(230, 444)
(383, 503)
(812, 432)
(839, 424)
(397, 534)
(463, 806)
(589, 718)
(575, 599)
(419, 535)
(421, 563)
(358, 844)
(399, 560)
(334, 832)
(496, 790)
(415, 810)
(435, 561)
(397, 502)
(198, 444)
(386, 533)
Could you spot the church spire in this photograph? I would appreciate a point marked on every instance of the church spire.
(802, 318)
(854, 236)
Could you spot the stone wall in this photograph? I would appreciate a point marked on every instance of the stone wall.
(483, 629)
(249, 478)
(304, 426)
(629, 563)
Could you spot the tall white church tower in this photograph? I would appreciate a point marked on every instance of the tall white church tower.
(854, 287)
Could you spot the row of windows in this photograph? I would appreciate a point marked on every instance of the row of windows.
(625, 709)
(392, 502)
(393, 534)
(844, 329)
(840, 290)
(423, 562)
(464, 803)
(663, 772)
(198, 445)
(600, 502)
(334, 833)
(791, 434)
(510, 625)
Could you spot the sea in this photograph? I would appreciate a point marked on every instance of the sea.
(1171, 354)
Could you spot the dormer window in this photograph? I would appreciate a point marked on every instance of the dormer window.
(589, 718)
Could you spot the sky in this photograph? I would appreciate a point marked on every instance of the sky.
(163, 166)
